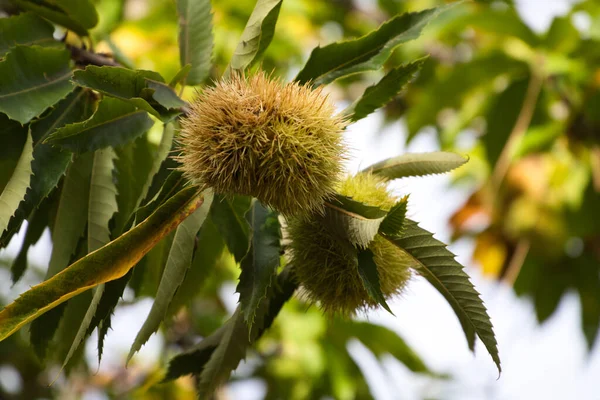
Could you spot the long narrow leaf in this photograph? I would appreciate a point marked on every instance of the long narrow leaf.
(384, 91)
(105, 264)
(15, 189)
(102, 206)
(195, 39)
(368, 52)
(439, 267)
(417, 164)
(68, 229)
(259, 266)
(179, 261)
(257, 35)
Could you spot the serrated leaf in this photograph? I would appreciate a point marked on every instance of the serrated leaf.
(49, 163)
(144, 89)
(12, 136)
(259, 266)
(195, 40)
(133, 165)
(367, 270)
(417, 164)
(102, 199)
(77, 15)
(179, 261)
(352, 220)
(101, 207)
(174, 183)
(113, 291)
(74, 313)
(393, 222)
(32, 78)
(257, 34)
(384, 91)
(195, 360)
(35, 227)
(106, 264)
(209, 250)
(439, 267)
(228, 215)
(368, 52)
(68, 228)
(15, 189)
(226, 356)
(164, 148)
(26, 29)
(115, 122)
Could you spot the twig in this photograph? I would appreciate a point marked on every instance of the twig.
(85, 57)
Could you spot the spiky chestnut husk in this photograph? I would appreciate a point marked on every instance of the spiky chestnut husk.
(325, 264)
(257, 136)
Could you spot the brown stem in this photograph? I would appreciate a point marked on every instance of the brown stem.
(85, 57)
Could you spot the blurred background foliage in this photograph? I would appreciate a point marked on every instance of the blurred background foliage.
(524, 106)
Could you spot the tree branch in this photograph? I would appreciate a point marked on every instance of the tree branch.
(85, 57)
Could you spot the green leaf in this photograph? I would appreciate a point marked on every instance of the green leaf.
(83, 322)
(102, 200)
(49, 163)
(66, 333)
(417, 164)
(393, 223)
(228, 215)
(15, 189)
(12, 136)
(68, 228)
(164, 148)
(175, 182)
(257, 35)
(134, 163)
(144, 89)
(77, 15)
(181, 75)
(352, 220)
(367, 269)
(260, 264)
(178, 263)
(226, 356)
(35, 227)
(102, 205)
(208, 252)
(368, 52)
(111, 294)
(25, 29)
(32, 78)
(439, 267)
(381, 341)
(114, 123)
(195, 39)
(106, 264)
(195, 360)
(384, 91)
(164, 95)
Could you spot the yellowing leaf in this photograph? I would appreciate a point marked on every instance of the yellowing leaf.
(105, 264)
(16, 187)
